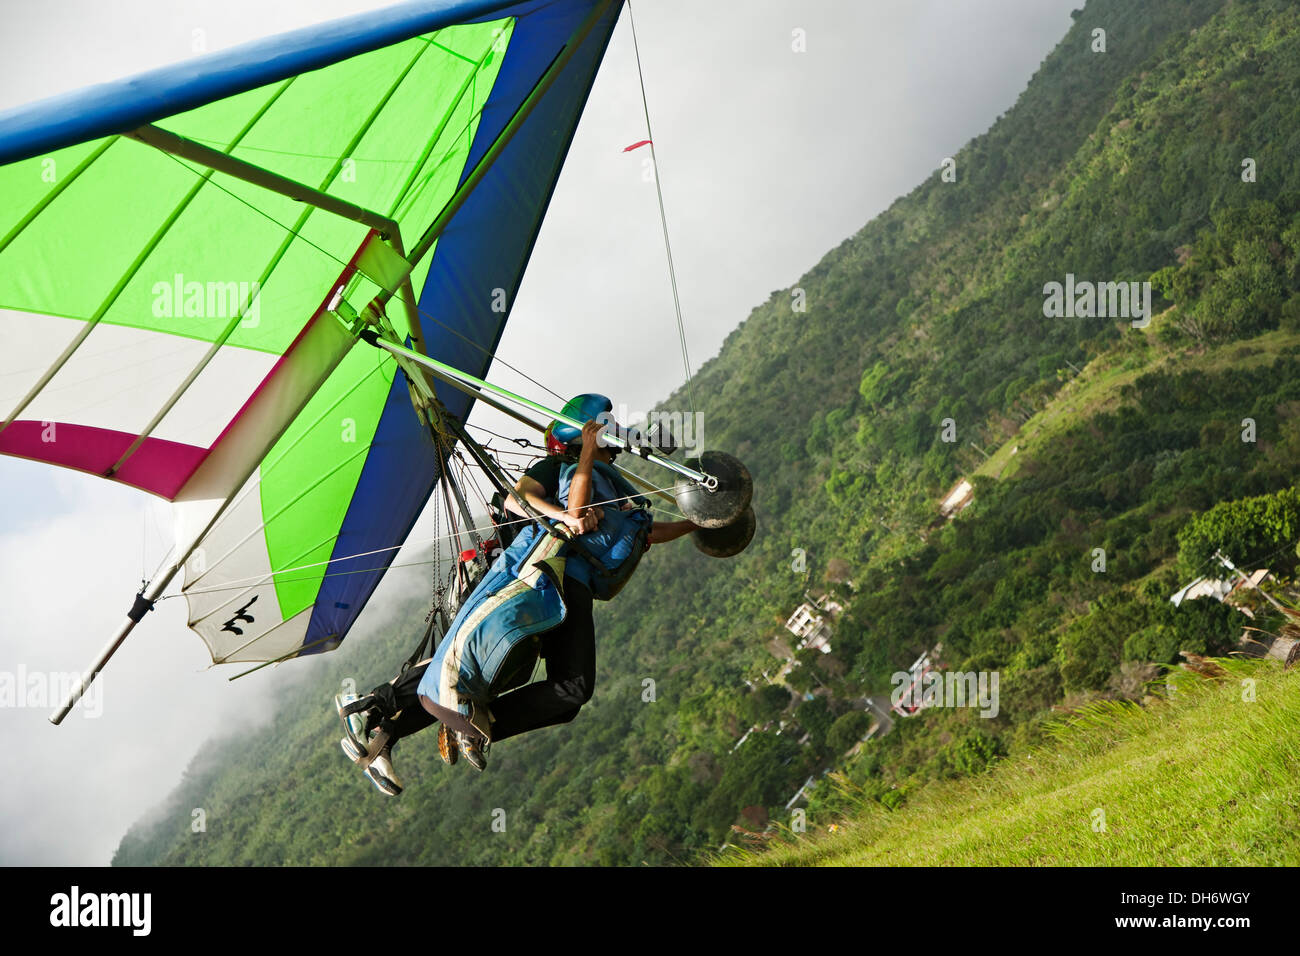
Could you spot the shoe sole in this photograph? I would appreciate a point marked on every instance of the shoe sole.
(476, 758)
(383, 784)
(448, 750)
(354, 753)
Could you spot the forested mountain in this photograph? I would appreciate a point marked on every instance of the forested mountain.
(1168, 157)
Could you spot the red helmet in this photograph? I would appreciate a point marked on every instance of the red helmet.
(553, 445)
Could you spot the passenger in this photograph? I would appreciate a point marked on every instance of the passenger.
(536, 598)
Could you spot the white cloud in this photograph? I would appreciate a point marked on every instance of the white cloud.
(69, 574)
(69, 581)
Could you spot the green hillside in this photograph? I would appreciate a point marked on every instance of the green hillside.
(1205, 778)
(1114, 166)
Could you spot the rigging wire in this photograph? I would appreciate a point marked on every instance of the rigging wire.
(437, 571)
(521, 442)
(242, 583)
(663, 216)
(424, 314)
(470, 480)
(412, 564)
(531, 456)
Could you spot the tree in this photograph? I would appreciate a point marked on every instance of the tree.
(815, 717)
(847, 730)
(1092, 646)
(765, 704)
(837, 570)
(1248, 529)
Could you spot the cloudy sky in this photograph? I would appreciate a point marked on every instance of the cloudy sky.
(768, 158)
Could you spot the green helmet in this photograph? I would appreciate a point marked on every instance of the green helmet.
(584, 408)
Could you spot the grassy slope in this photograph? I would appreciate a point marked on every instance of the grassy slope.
(1207, 779)
(1098, 388)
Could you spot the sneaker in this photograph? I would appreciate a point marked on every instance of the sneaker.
(382, 775)
(474, 749)
(352, 711)
(447, 745)
(362, 752)
(353, 751)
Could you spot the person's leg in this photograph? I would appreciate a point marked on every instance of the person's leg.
(570, 651)
(397, 706)
(453, 719)
(409, 720)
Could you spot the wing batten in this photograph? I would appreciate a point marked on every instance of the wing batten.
(53, 194)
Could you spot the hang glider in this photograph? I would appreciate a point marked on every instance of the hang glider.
(181, 254)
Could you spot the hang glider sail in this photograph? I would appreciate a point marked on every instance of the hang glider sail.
(179, 254)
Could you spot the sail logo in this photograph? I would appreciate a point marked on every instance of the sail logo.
(44, 689)
(75, 909)
(181, 299)
(240, 615)
(1101, 300)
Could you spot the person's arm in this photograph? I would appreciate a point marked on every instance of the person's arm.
(580, 485)
(535, 494)
(668, 530)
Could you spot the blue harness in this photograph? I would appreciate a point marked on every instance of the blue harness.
(608, 555)
(494, 641)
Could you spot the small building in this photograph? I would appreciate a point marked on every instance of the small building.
(741, 740)
(912, 701)
(810, 627)
(830, 605)
(1202, 587)
(958, 497)
(1230, 591)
